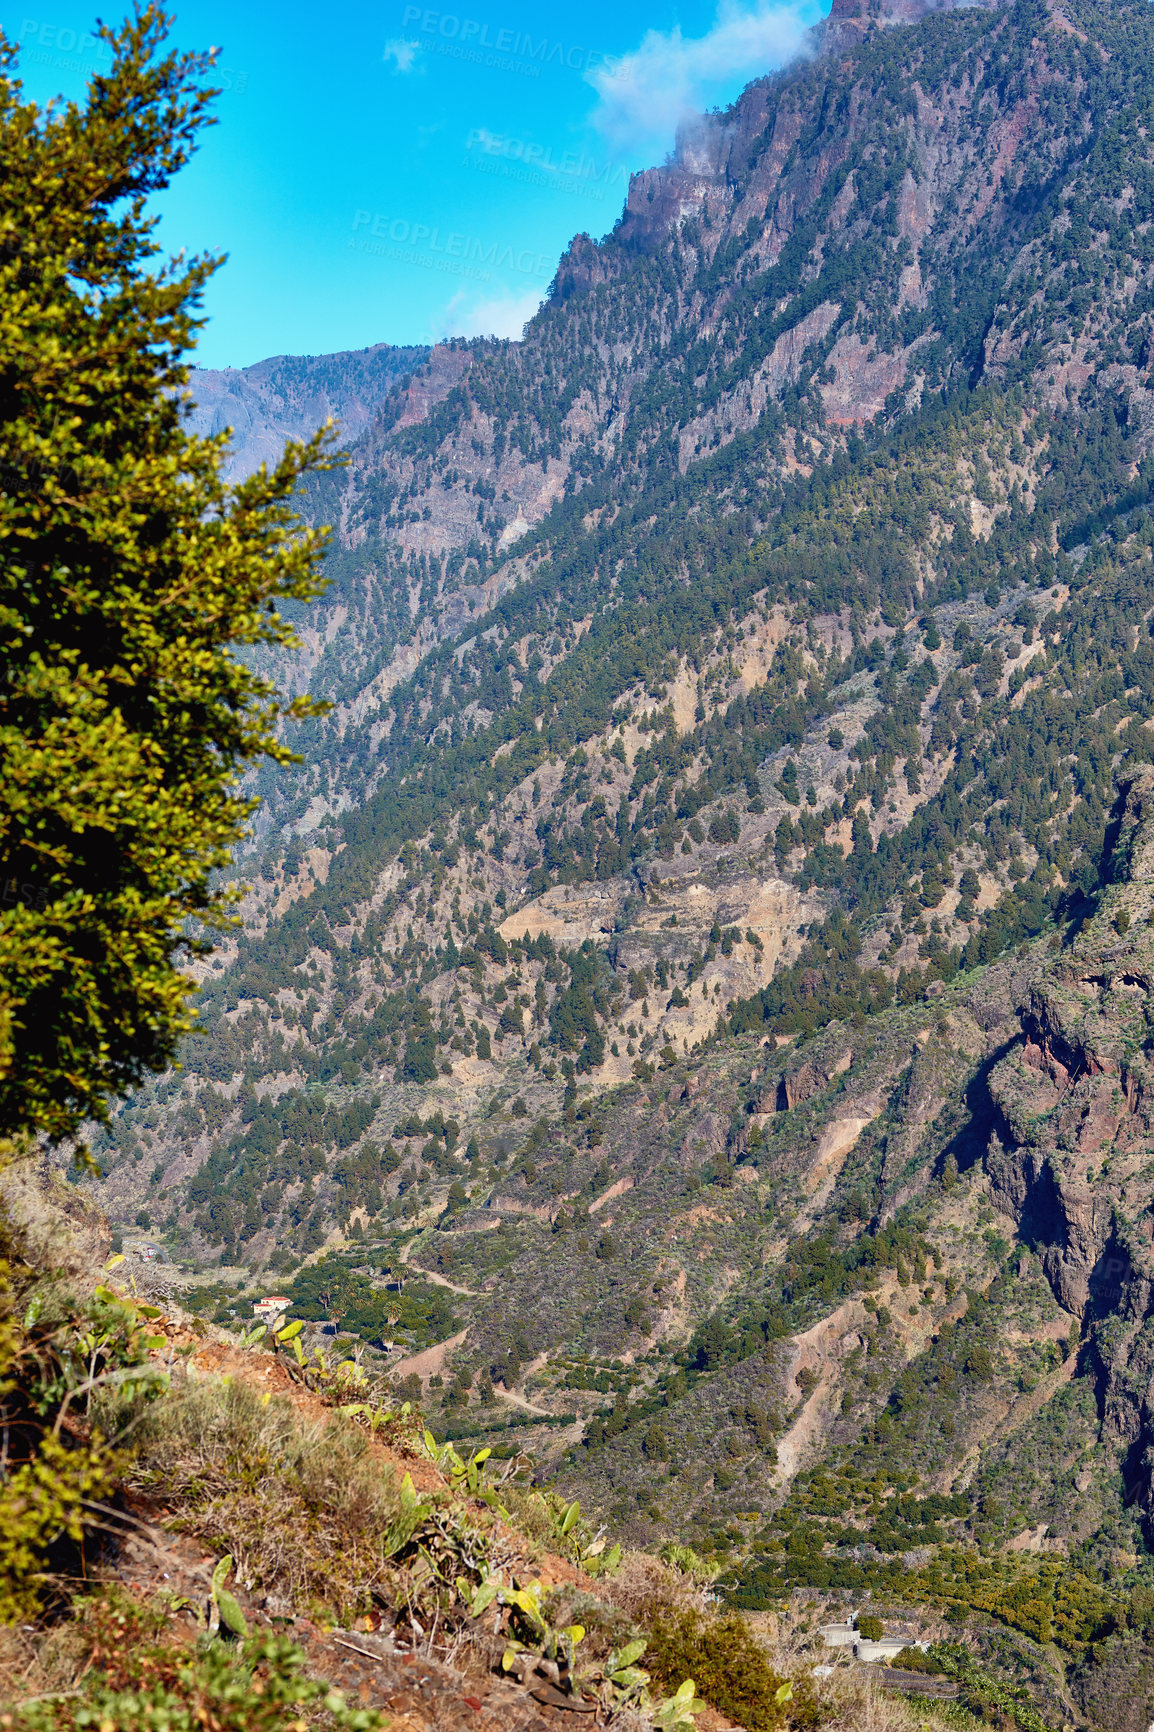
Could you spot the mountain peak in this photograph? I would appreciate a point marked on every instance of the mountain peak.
(860, 14)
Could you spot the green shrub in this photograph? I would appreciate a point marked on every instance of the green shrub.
(138, 1681)
(726, 828)
(55, 1355)
(728, 1668)
(870, 1629)
(914, 1660)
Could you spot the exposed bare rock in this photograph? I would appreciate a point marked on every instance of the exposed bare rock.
(1068, 1160)
(809, 1078)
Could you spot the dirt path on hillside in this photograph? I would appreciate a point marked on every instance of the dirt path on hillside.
(442, 1281)
(430, 1275)
(520, 1401)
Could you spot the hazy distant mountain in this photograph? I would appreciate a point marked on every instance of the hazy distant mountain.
(288, 396)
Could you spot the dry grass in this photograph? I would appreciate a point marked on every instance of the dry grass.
(303, 1507)
(852, 1700)
(48, 1658)
(30, 1665)
(645, 1586)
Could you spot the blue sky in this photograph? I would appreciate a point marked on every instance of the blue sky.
(396, 173)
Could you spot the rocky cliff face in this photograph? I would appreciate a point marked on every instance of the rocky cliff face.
(768, 566)
(1070, 1158)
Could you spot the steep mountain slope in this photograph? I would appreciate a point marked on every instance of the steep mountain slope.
(645, 1015)
(850, 239)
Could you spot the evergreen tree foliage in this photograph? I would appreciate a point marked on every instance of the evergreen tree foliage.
(130, 577)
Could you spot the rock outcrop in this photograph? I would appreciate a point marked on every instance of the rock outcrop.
(1070, 1157)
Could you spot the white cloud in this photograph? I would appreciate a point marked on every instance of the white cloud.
(497, 315)
(647, 93)
(402, 53)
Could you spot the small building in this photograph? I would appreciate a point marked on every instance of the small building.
(865, 1651)
(271, 1309)
(888, 1648)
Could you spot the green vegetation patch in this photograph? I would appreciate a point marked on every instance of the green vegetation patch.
(329, 1289)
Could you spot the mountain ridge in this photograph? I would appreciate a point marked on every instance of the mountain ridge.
(290, 396)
